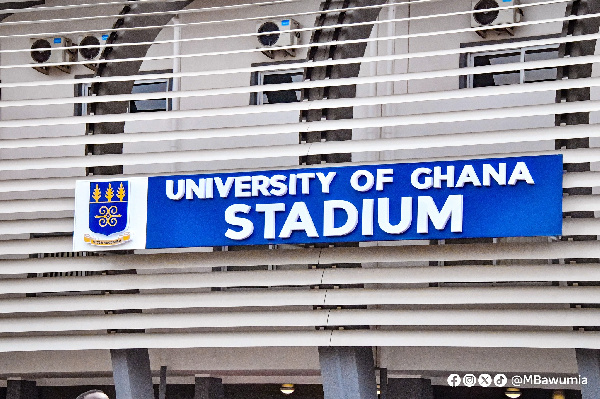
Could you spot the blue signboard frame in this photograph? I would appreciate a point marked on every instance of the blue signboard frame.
(499, 197)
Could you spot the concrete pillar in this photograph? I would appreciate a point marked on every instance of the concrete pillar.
(209, 388)
(162, 387)
(131, 372)
(588, 363)
(409, 388)
(21, 389)
(383, 384)
(348, 372)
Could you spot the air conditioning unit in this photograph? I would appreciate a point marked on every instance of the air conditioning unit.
(50, 50)
(495, 13)
(276, 33)
(92, 53)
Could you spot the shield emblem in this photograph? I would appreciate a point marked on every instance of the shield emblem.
(109, 202)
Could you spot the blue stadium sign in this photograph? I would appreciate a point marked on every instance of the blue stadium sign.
(501, 197)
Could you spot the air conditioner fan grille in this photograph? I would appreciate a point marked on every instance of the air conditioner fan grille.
(486, 17)
(38, 55)
(91, 52)
(268, 40)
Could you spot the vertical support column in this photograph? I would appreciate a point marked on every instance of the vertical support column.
(209, 388)
(348, 372)
(131, 372)
(176, 102)
(21, 389)
(588, 363)
(410, 388)
(383, 384)
(162, 387)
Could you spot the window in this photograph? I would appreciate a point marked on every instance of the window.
(139, 86)
(150, 86)
(277, 77)
(519, 76)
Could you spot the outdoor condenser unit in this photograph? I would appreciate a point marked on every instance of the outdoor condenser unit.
(495, 13)
(92, 53)
(276, 33)
(51, 50)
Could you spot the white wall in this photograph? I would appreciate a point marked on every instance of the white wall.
(440, 63)
(219, 62)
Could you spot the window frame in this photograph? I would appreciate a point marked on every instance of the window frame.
(168, 101)
(522, 53)
(261, 79)
(257, 78)
(465, 81)
(82, 90)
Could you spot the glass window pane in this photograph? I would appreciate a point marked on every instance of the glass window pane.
(153, 87)
(506, 58)
(282, 96)
(149, 105)
(500, 78)
(510, 78)
(538, 75)
(541, 54)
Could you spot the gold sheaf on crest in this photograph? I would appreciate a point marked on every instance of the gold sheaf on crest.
(121, 192)
(109, 194)
(96, 194)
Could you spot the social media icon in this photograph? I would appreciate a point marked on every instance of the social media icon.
(485, 380)
(454, 380)
(469, 380)
(500, 380)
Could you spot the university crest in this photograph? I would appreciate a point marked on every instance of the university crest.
(108, 213)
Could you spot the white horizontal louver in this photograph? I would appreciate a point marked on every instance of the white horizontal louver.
(305, 256)
(410, 275)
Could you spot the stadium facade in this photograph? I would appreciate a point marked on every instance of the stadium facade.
(193, 199)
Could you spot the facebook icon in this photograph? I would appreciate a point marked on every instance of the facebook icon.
(454, 380)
